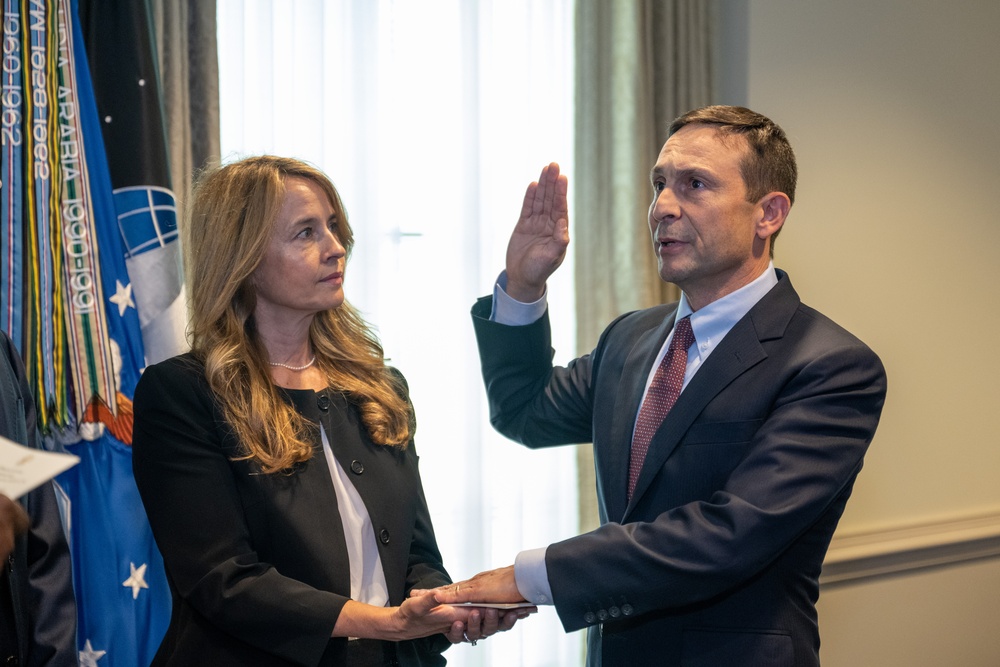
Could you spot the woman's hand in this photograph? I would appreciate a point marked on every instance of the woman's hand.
(418, 616)
(484, 623)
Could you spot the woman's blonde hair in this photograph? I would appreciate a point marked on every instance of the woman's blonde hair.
(233, 213)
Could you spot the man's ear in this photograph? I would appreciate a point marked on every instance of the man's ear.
(774, 209)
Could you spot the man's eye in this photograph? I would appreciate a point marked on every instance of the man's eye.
(658, 186)
(697, 184)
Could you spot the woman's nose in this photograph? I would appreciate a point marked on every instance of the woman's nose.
(332, 247)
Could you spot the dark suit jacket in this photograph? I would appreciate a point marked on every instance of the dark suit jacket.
(257, 564)
(37, 581)
(716, 559)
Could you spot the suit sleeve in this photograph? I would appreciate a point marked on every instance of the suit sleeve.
(530, 401)
(184, 475)
(51, 605)
(425, 569)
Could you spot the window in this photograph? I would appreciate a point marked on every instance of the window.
(431, 117)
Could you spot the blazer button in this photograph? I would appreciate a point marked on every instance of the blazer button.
(602, 615)
(589, 618)
(627, 609)
(615, 612)
(323, 402)
(384, 536)
(357, 467)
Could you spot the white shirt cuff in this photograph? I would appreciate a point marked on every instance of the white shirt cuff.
(509, 311)
(531, 576)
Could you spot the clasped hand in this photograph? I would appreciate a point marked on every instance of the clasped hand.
(494, 586)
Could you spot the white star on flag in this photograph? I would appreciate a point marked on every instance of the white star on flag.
(122, 297)
(136, 580)
(89, 657)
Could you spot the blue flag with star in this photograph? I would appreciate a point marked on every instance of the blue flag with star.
(90, 275)
(122, 593)
(91, 283)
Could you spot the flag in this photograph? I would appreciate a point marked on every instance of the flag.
(11, 177)
(91, 287)
(122, 57)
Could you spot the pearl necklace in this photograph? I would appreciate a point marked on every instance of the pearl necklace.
(294, 368)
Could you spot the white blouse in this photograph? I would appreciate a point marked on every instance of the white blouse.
(367, 578)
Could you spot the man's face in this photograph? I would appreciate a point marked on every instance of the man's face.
(706, 235)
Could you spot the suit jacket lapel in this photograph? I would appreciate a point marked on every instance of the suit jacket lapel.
(630, 390)
(739, 351)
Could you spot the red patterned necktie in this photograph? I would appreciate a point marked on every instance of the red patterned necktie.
(662, 394)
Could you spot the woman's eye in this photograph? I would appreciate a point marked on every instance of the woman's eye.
(305, 233)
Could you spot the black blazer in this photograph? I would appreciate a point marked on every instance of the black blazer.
(716, 559)
(257, 564)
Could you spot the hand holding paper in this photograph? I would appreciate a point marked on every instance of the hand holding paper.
(23, 468)
(13, 522)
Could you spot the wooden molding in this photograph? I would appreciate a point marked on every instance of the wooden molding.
(860, 556)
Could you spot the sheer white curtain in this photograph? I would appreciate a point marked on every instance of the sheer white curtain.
(431, 117)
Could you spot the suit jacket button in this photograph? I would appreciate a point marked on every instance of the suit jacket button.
(323, 402)
(602, 615)
(384, 536)
(615, 612)
(357, 467)
(627, 609)
(589, 618)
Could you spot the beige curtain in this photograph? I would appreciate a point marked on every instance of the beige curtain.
(185, 32)
(639, 65)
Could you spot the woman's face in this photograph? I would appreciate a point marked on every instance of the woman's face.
(302, 272)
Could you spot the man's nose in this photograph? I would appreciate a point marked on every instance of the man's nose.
(665, 206)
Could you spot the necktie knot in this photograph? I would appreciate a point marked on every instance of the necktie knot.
(683, 334)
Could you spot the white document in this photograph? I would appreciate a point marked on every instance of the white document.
(23, 468)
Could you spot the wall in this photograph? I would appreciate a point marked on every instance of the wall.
(892, 109)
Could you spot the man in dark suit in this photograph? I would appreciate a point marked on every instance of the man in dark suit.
(37, 606)
(717, 516)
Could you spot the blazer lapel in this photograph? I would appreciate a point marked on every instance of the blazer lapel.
(630, 390)
(739, 351)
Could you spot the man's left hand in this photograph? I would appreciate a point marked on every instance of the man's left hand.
(490, 586)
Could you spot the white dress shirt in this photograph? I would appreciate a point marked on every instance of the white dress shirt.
(709, 324)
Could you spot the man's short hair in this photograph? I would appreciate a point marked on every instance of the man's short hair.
(769, 164)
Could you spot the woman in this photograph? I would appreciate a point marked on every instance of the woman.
(275, 460)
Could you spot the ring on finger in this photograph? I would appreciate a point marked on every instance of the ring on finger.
(466, 635)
